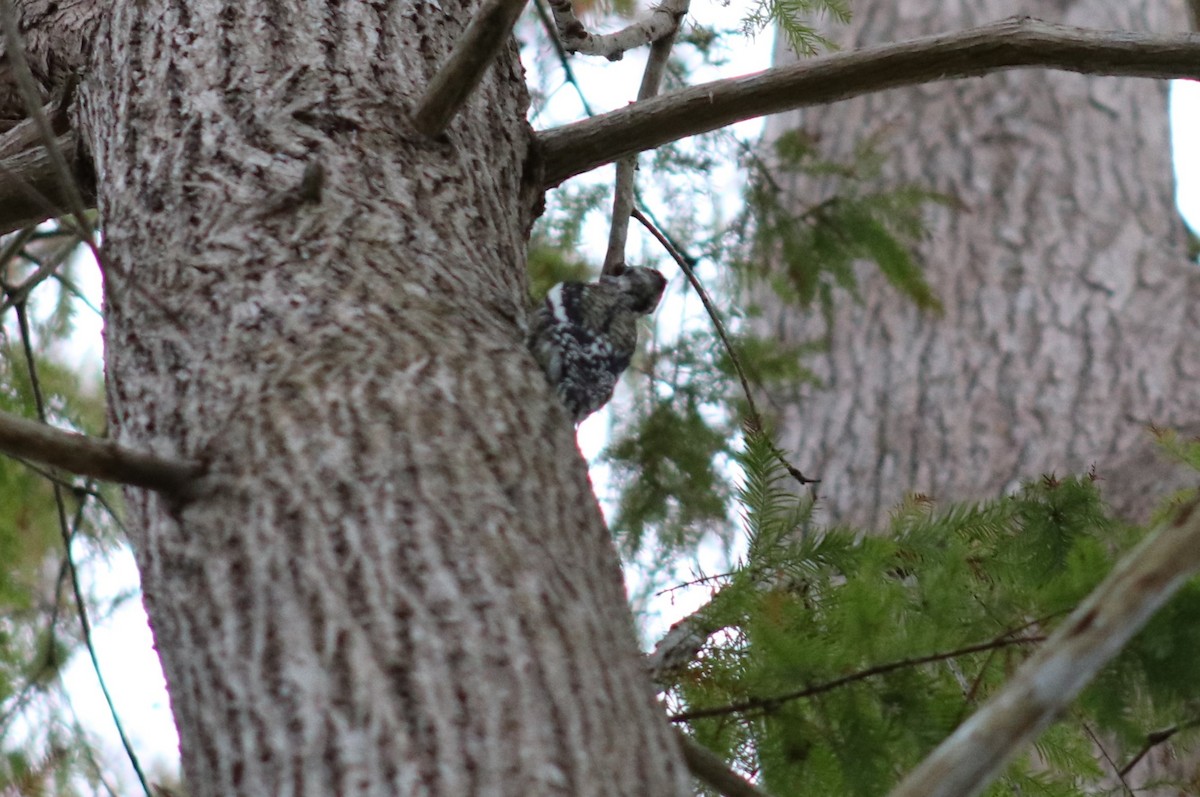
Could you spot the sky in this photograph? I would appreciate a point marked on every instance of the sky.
(123, 641)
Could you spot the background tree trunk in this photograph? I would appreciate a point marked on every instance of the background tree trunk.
(1071, 320)
(396, 579)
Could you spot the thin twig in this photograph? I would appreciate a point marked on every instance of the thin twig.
(1103, 752)
(474, 52)
(89, 750)
(17, 294)
(755, 420)
(766, 705)
(548, 25)
(15, 244)
(1154, 739)
(67, 535)
(77, 292)
(694, 582)
(1018, 42)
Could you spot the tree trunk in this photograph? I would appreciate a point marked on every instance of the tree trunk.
(1071, 321)
(395, 579)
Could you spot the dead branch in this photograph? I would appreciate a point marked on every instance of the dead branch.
(87, 456)
(618, 234)
(662, 21)
(475, 51)
(30, 188)
(14, 53)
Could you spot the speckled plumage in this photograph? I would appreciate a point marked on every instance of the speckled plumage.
(584, 334)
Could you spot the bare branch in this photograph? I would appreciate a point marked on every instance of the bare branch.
(46, 269)
(1017, 42)
(475, 51)
(87, 456)
(1045, 684)
(618, 234)
(662, 21)
(708, 768)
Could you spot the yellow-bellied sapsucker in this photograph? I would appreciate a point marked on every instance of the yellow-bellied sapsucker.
(584, 334)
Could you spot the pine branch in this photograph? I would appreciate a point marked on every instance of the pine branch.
(1045, 684)
(474, 52)
(768, 704)
(1017, 42)
(87, 456)
(662, 21)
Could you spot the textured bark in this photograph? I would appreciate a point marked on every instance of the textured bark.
(58, 38)
(1071, 319)
(396, 579)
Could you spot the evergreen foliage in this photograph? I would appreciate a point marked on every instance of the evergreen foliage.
(841, 659)
(805, 259)
(789, 15)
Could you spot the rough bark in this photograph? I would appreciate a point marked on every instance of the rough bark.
(1070, 321)
(395, 579)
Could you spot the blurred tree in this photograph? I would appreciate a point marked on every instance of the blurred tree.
(1066, 323)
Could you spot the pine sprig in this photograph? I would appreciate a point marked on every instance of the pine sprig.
(788, 15)
(844, 659)
(814, 254)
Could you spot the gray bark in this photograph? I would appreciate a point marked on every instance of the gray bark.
(1070, 321)
(395, 578)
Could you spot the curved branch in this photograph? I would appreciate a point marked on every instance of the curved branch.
(661, 22)
(87, 456)
(1017, 42)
